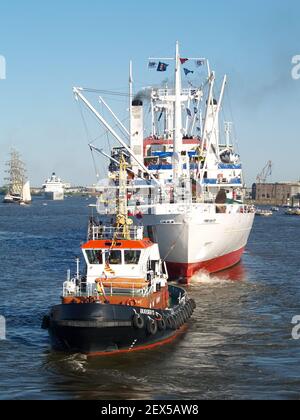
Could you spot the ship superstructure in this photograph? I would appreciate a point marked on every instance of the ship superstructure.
(54, 188)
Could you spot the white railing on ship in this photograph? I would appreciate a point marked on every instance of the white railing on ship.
(171, 92)
(71, 289)
(107, 232)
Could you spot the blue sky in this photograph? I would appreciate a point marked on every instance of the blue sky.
(52, 46)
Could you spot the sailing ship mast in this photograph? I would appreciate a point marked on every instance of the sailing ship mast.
(17, 186)
(16, 174)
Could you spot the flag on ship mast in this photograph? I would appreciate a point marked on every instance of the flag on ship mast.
(152, 64)
(162, 66)
(200, 63)
(184, 60)
(187, 71)
(189, 112)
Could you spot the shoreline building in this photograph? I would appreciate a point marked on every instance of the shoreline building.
(279, 194)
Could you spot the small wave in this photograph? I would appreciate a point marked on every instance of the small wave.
(77, 363)
(74, 363)
(204, 278)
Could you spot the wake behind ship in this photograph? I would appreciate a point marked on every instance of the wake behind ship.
(187, 183)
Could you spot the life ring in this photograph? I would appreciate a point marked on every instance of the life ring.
(138, 321)
(151, 326)
(131, 302)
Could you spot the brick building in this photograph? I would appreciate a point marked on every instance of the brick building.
(282, 193)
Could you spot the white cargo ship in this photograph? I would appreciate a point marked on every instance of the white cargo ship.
(186, 184)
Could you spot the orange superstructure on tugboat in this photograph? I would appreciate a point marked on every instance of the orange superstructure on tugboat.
(123, 302)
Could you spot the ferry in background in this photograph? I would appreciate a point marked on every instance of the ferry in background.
(186, 184)
(54, 188)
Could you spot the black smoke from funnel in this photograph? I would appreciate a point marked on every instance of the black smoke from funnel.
(143, 95)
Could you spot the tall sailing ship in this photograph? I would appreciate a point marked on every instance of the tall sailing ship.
(186, 184)
(18, 187)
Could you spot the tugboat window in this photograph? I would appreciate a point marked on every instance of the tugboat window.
(132, 257)
(95, 257)
(115, 258)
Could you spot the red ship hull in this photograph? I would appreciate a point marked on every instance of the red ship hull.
(185, 272)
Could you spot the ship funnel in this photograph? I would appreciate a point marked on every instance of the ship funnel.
(137, 132)
(137, 102)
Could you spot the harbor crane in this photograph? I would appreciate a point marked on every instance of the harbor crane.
(265, 173)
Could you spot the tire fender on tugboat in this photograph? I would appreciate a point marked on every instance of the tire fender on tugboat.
(161, 324)
(151, 326)
(172, 322)
(138, 321)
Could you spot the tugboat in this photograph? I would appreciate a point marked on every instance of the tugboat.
(123, 303)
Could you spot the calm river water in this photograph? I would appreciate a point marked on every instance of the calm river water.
(238, 344)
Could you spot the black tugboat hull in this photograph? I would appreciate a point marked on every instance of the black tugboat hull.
(99, 329)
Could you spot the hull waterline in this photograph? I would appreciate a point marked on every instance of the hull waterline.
(185, 271)
(211, 244)
(104, 329)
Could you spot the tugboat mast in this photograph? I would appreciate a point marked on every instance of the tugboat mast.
(122, 220)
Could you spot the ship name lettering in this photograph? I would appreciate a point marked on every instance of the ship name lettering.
(147, 312)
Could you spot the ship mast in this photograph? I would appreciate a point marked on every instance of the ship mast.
(16, 173)
(122, 220)
(177, 162)
(130, 100)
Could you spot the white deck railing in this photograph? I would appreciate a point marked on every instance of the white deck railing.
(107, 232)
(83, 289)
